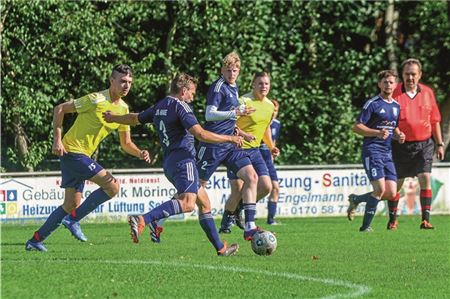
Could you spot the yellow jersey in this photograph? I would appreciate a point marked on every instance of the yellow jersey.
(257, 122)
(89, 128)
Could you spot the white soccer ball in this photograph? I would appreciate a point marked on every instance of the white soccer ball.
(264, 243)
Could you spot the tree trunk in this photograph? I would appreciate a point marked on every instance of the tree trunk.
(21, 143)
(391, 24)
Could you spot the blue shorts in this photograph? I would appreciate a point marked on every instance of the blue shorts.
(257, 161)
(267, 156)
(76, 168)
(182, 173)
(379, 166)
(209, 158)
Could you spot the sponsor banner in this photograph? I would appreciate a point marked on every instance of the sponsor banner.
(304, 193)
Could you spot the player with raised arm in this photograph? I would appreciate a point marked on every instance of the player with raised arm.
(378, 122)
(75, 151)
(222, 111)
(177, 126)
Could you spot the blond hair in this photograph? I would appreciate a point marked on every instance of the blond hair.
(182, 80)
(232, 59)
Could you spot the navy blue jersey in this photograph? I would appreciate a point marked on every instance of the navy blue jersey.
(226, 98)
(379, 114)
(172, 119)
(275, 128)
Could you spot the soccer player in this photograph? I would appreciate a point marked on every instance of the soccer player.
(221, 112)
(377, 122)
(177, 126)
(275, 128)
(75, 151)
(258, 125)
(420, 121)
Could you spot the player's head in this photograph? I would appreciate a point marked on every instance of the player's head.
(276, 108)
(387, 81)
(184, 87)
(120, 80)
(261, 84)
(411, 73)
(231, 66)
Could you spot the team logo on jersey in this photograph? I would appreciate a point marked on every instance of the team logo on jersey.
(382, 110)
(395, 111)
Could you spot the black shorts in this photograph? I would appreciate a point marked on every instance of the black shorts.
(412, 158)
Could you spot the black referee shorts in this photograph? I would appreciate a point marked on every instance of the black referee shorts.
(413, 157)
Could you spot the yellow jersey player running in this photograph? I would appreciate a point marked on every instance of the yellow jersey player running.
(256, 124)
(75, 151)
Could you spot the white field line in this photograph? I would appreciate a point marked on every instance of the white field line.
(355, 289)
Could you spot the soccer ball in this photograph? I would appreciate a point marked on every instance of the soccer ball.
(264, 243)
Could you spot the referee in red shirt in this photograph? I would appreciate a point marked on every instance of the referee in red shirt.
(420, 122)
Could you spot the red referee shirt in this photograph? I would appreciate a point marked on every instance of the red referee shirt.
(417, 114)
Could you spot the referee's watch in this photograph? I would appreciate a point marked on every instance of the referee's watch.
(440, 144)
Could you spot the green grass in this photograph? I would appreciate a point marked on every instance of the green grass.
(316, 258)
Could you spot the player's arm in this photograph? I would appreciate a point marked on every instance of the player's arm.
(247, 136)
(210, 137)
(58, 118)
(130, 119)
(129, 147)
(365, 131)
(267, 139)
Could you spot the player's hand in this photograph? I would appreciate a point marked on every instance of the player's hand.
(145, 155)
(58, 148)
(440, 153)
(275, 152)
(401, 137)
(108, 116)
(383, 134)
(247, 136)
(244, 110)
(237, 140)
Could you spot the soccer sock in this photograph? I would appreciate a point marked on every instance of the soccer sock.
(393, 207)
(52, 223)
(209, 227)
(249, 212)
(371, 208)
(362, 198)
(225, 223)
(425, 203)
(271, 209)
(94, 199)
(165, 210)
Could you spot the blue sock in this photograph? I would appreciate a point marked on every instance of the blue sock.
(272, 210)
(371, 208)
(209, 227)
(166, 209)
(52, 223)
(362, 198)
(249, 212)
(94, 199)
(226, 223)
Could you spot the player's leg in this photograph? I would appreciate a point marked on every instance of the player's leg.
(72, 199)
(272, 202)
(390, 194)
(207, 223)
(372, 203)
(231, 204)
(424, 165)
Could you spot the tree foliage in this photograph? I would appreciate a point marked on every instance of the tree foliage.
(323, 57)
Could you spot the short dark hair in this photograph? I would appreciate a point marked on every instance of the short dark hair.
(386, 73)
(123, 69)
(259, 75)
(182, 80)
(412, 61)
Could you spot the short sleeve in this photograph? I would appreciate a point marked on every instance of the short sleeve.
(365, 114)
(85, 103)
(186, 115)
(124, 128)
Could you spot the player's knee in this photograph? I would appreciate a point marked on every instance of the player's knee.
(112, 188)
(187, 202)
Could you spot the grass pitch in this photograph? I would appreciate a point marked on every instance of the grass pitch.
(316, 258)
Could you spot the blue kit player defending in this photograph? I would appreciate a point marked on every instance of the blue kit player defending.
(378, 122)
(75, 151)
(275, 128)
(176, 126)
(222, 111)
